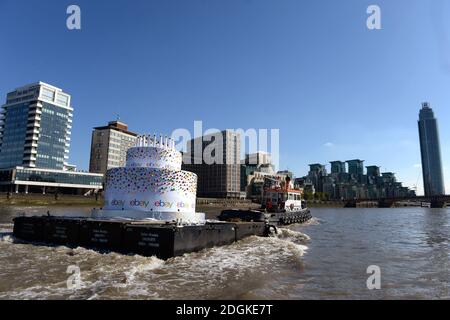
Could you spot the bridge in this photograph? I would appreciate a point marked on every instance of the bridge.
(435, 201)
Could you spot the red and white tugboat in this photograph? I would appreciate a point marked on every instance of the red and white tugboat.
(281, 205)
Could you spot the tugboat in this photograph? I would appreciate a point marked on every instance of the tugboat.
(281, 205)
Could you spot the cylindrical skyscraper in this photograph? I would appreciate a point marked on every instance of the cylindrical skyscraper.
(433, 180)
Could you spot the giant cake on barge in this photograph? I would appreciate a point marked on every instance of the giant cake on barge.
(152, 185)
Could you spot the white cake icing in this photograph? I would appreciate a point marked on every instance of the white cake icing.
(153, 184)
(150, 189)
(154, 157)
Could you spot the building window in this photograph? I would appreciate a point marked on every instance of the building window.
(62, 99)
(48, 94)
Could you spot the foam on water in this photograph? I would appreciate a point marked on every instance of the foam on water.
(6, 232)
(292, 235)
(142, 265)
(212, 272)
(312, 222)
(6, 237)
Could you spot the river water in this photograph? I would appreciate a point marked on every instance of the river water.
(326, 258)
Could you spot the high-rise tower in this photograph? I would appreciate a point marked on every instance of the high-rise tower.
(433, 180)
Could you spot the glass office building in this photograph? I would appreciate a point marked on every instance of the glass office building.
(12, 139)
(35, 126)
(433, 180)
(35, 129)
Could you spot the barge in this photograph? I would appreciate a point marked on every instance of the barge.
(147, 238)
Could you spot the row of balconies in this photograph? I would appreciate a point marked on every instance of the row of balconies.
(35, 109)
(29, 157)
(32, 136)
(34, 117)
(2, 120)
(32, 144)
(32, 124)
(29, 163)
(32, 130)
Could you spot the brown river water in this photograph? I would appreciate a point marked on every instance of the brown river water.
(326, 258)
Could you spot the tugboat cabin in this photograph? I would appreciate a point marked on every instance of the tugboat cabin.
(278, 198)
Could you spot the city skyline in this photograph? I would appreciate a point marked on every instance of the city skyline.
(273, 73)
(244, 155)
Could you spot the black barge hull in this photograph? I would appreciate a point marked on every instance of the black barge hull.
(139, 237)
(290, 217)
(282, 218)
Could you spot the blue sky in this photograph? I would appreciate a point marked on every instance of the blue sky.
(336, 90)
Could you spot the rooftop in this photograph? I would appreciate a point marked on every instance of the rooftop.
(39, 83)
(118, 126)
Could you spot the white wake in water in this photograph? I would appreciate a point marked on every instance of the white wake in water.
(6, 237)
(6, 232)
(292, 235)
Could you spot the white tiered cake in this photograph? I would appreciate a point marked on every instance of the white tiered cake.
(152, 185)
